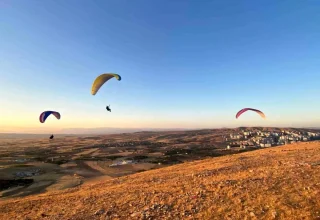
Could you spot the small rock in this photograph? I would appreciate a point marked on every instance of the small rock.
(274, 214)
(166, 207)
(43, 215)
(154, 206)
(135, 214)
(252, 214)
(186, 213)
(99, 212)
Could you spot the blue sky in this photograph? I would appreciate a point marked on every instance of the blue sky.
(183, 63)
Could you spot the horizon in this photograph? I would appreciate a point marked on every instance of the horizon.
(185, 64)
(111, 131)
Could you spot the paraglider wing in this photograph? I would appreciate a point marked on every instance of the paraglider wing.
(100, 80)
(251, 109)
(44, 115)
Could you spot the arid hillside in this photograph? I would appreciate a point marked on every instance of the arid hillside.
(273, 183)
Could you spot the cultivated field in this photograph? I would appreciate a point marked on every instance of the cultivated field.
(37, 165)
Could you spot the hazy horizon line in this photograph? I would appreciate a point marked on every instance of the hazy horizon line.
(132, 130)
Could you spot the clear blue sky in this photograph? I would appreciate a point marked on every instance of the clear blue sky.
(184, 63)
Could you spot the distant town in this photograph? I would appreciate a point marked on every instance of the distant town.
(258, 138)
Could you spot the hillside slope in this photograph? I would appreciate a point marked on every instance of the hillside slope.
(273, 183)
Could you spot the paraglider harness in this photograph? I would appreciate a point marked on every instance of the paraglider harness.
(108, 108)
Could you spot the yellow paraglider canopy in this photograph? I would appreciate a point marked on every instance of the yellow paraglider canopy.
(100, 80)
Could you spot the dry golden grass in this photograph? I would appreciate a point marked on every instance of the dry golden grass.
(274, 183)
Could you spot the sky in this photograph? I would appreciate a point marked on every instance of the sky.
(183, 63)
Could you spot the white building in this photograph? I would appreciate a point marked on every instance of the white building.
(306, 138)
(265, 145)
(123, 162)
(236, 136)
